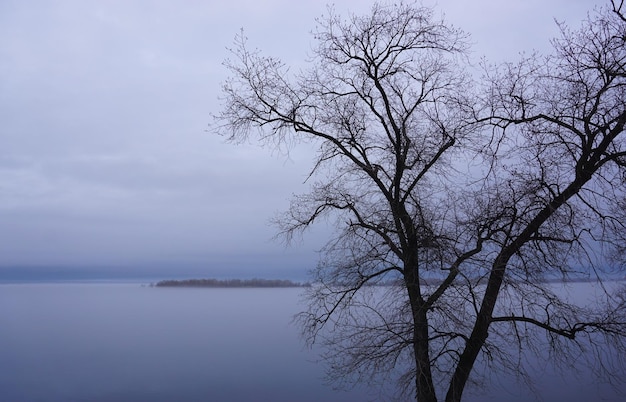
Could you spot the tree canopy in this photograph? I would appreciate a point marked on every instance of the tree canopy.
(467, 196)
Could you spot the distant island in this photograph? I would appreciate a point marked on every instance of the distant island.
(230, 283)
(284, 283)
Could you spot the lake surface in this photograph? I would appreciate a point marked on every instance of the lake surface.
(125, 342)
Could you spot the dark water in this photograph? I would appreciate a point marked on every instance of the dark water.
(124, 342)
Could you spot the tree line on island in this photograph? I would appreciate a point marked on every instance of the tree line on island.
(285, 283)
(230, 283)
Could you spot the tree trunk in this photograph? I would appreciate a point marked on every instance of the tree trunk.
(425, 389)
(423, 379)
(483, 320)
(479, 333)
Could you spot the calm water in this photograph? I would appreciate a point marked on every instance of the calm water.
(124, 342)
(105, 342)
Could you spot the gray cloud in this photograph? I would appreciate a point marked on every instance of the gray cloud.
(105, 157)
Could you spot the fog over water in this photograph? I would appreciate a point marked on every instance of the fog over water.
(125, 342)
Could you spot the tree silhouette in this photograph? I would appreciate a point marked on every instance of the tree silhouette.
(468, 200)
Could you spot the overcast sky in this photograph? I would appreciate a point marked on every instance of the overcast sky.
(105, 154)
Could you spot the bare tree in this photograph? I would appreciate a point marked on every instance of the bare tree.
(463, 205)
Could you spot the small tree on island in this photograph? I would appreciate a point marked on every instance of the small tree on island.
(470, 196)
